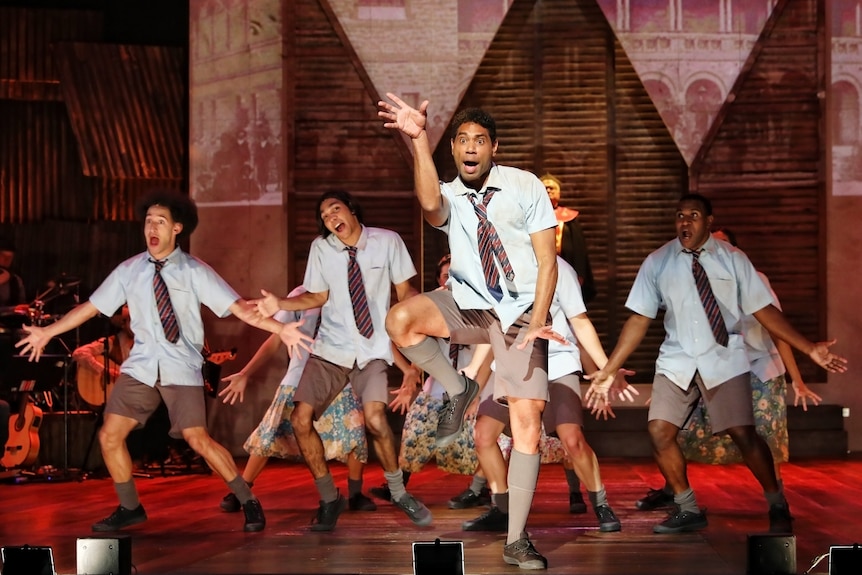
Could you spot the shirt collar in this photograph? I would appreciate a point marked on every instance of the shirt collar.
(335, 242)
(491, 183)
(708, 247)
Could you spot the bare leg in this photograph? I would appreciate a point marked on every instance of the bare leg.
(756, 455)
(668, 455)
(215, 454)
(310, 444)
(115, 453)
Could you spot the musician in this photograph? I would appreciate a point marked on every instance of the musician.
(11, 285)
(92, 359)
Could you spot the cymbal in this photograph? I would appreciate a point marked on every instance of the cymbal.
(64, 281)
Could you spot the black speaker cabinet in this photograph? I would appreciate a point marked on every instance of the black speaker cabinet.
(438, 557)
(845, 559)
(27, 560)
(771, 554)
(105, 555)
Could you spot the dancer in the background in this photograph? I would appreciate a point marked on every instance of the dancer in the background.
(341, 427)
(771, 361)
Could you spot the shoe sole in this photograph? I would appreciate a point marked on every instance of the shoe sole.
(107, 529)
(578, 509)
(253, 527)
(466, 527)
(531, 564)
(610, 527)
(682, 529)
(460, 505)
(320, 527)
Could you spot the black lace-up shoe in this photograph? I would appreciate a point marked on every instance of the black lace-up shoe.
(492, 520)
(655, 499)
(682, 521)
(327, 514)
(230, 503)
(469, 498)
(780, 520)
(608, 520)
(576, 503)
(359, 502)
(415, 510)
(452, 416)
(254, 519)
(524, 555)
(120, 518)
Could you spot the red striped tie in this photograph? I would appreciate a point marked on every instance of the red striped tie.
(490, 246)
(361, 313)
(163, 303)
(710, 305)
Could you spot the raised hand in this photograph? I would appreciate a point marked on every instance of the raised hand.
(543, 332)
(621, 389)
(402, 117)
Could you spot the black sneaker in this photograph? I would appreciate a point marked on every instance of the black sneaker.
(524, 555)
(120, 518)
(230, 503)
(780, 520)
(415, 510)
(682, 521)
(381, 492)
(327, 514)
(492, 520)
(254, 519)
(576, 503)
(452, 416)
(359, 502)
(469, 498)
(655, 499)
(608, 520)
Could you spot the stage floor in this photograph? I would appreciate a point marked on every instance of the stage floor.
(188, 534)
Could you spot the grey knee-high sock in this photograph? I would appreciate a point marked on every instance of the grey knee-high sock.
(326, 487)
(686, 501)
(395, 480)
(127, 494)
(427, 355)
(572, 480)
(241, 489)
(523, 477)
(478, 484)
(598, 498)
(354, 486)
(501, 500)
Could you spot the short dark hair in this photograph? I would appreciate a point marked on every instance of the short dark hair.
(183, 209)
(445, 260)
(343, 197)
(7, 244)
(702, 200)
(475, 116)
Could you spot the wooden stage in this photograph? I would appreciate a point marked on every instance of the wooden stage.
(187, 533)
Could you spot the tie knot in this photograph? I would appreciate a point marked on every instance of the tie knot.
(351, 250)
(159, 264)
(694, 253)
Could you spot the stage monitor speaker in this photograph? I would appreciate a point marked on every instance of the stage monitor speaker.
(438, 557)
(845, 559)
(105, 555)
(771, 554)
(27, 560)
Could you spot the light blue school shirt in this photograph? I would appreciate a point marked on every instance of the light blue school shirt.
(520, 207)
(568, 302)
(384, 261)
(191, 283)
(665, 281)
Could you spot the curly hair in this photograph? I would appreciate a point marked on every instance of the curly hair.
(183, 209)
(474, 116)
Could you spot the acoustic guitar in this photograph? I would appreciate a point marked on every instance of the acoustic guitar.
(94, 390)
(22, 448)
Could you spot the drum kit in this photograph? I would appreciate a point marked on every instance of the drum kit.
(13, 318)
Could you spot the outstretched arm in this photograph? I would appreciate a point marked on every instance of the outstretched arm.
(800, 390)
(238, 381)
(633, 333)
(777, 324)
(411, 122)
(38, 337)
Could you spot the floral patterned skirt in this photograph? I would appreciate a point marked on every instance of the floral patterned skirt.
(341, 427)
(770, 417)
(420, 431)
